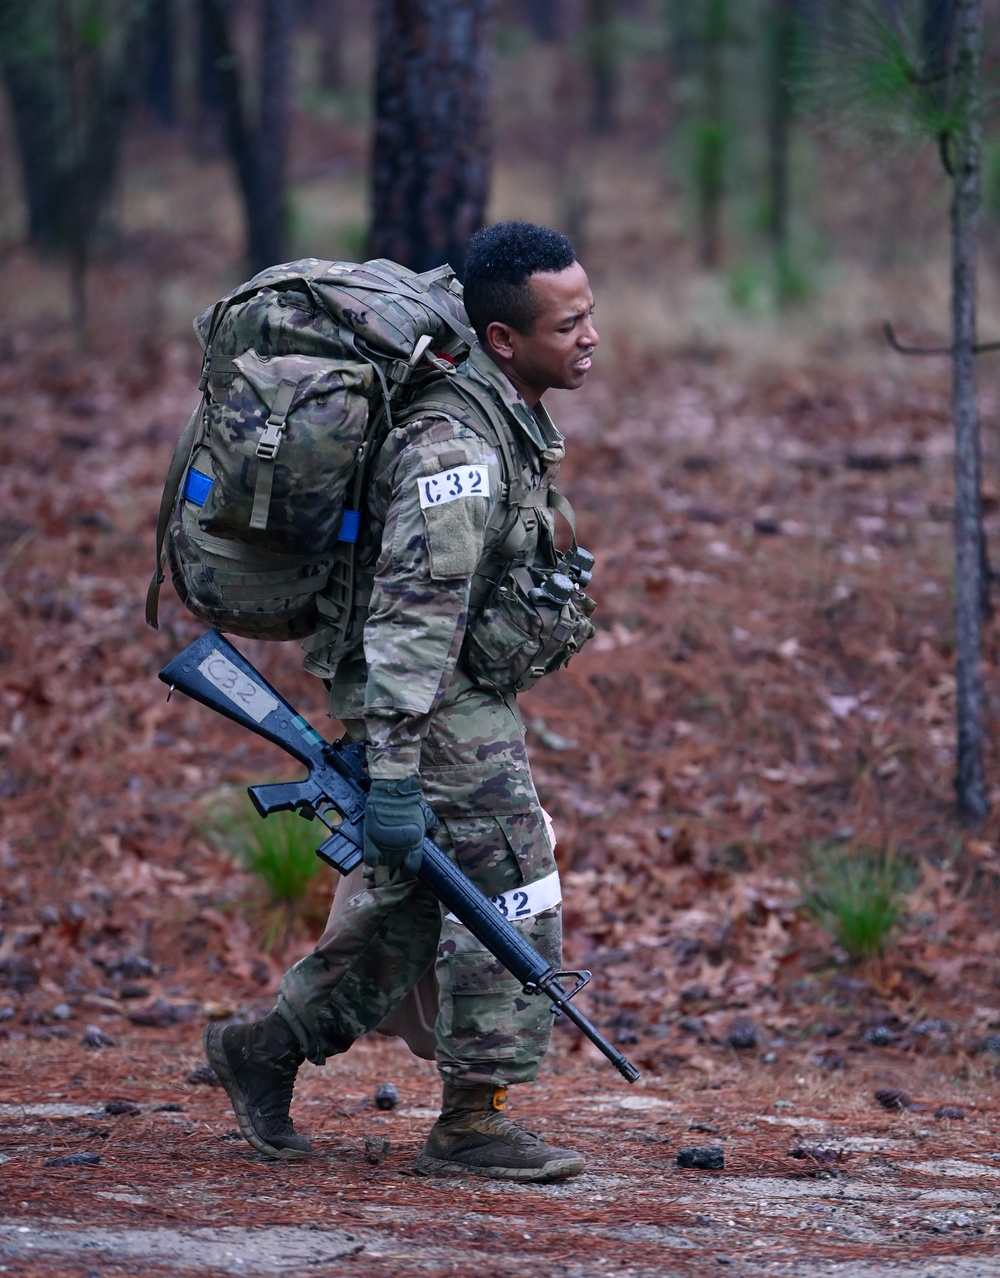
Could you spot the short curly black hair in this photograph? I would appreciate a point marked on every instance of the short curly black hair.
(499, 263)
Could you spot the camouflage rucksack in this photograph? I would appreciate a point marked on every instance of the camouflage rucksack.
(304, 366)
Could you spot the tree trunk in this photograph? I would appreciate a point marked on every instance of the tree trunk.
(330, 27)
(567, 151)
(268, 217)
(209, 115)
(544, 18)
(69, 91)
(70, 85)
(970, 781)
(602, 64)
(34, 112)
(680, 36)
(258, 150)
(782, 41)
(431, 164)
(937, 30)
(210, 54)
(711, 134)
(161, 62)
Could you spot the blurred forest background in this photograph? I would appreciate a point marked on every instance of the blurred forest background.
(752, 767)
(715, 163)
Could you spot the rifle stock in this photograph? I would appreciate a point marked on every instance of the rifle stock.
(213, 672)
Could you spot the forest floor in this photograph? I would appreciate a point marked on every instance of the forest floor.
(773, 671)
(818, 1178)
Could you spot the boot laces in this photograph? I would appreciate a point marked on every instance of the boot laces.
(277, 1113)
(505, 1129)
(275, 1091)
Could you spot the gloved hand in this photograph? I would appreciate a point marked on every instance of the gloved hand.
(396, 821)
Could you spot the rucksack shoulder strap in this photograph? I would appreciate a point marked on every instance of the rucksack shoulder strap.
(544, 496)
(495, 430)
(450, 396)
(175, 475)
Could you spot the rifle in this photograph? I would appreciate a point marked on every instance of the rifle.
(213, 672)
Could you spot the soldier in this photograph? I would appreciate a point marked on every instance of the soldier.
(461, 490)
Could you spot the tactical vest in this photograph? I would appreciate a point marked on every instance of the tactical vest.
(528, 613)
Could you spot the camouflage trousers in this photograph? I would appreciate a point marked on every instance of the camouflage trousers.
(475, 774)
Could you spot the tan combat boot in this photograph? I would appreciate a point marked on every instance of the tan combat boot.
(257, 1064)
(473, 1137)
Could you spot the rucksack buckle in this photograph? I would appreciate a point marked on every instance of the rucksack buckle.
(443, 363)
(270, 441)
(400, 369)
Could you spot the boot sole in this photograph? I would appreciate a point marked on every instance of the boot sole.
(557, 1169)
(216, 1056)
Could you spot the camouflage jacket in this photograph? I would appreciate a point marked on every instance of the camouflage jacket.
(442, 520)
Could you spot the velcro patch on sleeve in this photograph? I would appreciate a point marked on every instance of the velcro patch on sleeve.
(453, 485)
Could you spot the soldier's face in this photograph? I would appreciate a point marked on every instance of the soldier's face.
(558, 350)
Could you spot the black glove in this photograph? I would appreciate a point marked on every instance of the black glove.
(396, 822)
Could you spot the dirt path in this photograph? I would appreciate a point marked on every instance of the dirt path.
(175, 1191)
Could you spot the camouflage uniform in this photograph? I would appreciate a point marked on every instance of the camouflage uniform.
(432, 551)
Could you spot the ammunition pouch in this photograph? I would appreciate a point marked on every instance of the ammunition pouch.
(525, 620)
(533, 621)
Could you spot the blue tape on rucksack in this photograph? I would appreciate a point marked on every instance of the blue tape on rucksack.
(350, 525)
(197, 487)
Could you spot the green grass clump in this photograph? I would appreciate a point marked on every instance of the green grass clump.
(279, 852)
(857, 894)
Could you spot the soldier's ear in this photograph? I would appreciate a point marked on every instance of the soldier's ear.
(498, 340)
